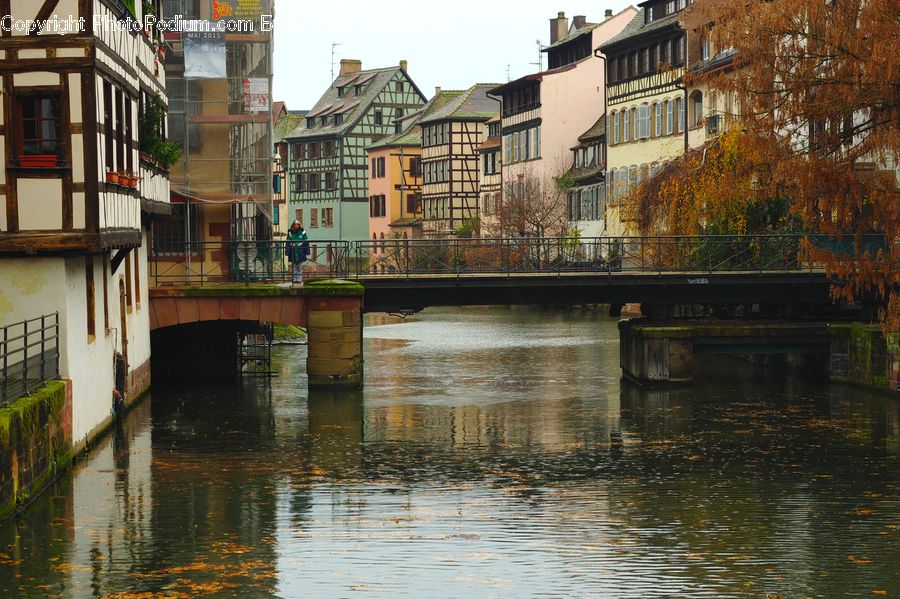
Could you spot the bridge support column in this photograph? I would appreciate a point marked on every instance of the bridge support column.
(334, 317)
(656, 355)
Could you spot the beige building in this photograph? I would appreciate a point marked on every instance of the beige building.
(80, 186)
(491, 176)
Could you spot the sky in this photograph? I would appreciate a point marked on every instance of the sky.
(452, 44)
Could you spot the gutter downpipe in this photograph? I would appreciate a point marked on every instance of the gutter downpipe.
(601, 56)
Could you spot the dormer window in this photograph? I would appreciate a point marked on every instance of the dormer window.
(357, 89)
(338, 119)
(323, 120)
(310, 122)
(340, 91)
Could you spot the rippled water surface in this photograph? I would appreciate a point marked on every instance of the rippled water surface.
(493, 453)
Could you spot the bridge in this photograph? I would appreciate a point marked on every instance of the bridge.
(244, 283)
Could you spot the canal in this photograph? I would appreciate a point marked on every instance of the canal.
(493, 452)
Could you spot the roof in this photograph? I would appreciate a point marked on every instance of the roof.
(351, 106)
(573, 35)
(472, 104)
(286, 124)
(411, 134)
(521, 81)
(637, 27)
(588, 174)
(596, 131)
(491, 144)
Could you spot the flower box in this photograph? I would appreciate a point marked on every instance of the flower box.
(112, 178)
(38, 160)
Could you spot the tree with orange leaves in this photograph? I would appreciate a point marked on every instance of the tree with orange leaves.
(815, 144)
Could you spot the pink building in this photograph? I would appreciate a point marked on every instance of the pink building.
(544, 114)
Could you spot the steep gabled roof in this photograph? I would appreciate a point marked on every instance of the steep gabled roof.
(286, 124)
(472, 104)
(351, 106)
(411, 134)
(573, 35)
(597, 131)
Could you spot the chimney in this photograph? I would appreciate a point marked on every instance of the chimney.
(579, 21)
(437, 90)
(403, 65)
(349, 66)
(608, 13)
(559, 27)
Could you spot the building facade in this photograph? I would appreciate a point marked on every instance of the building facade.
(648, 117)
(586, 198)
(79, 189)
(490, 179)
(285, 122)
(544, 113)
(451, 161)
(220, 113)
(328, 166)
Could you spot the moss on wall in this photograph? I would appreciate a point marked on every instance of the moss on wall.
(333, 288)
(32, 431)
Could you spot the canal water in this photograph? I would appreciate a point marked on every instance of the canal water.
(493, 453)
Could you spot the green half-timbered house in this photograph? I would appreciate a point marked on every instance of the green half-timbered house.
(327, 165)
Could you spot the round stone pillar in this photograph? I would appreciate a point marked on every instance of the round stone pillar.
(334, 330)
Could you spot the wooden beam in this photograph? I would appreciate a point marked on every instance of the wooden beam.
(44, 13)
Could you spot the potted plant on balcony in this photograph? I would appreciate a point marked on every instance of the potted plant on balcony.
(154, 148)
(112, 177)
(38, 160)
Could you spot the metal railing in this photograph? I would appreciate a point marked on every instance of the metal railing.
(201, 263)
(29, 356)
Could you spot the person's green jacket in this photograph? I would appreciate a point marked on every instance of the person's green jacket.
(297, 246)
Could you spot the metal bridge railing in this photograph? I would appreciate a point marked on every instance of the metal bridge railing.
(29, 356)
(201, 263)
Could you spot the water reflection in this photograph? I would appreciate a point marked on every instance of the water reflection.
(479, 460)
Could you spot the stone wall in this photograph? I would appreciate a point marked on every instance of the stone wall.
(865, 355)
(35, 444)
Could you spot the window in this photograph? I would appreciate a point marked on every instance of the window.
(654, 60)
(614, 124)
(414, 203)
(341, 91)
(119, 124)
(379, 170)
(330, 181)
(696, 108)
(314, 181)
(108, 131)
(658, 115)
(327, 217)
(329, 149)
(679, 114)
(129, 296)
(313, 218)
(664, 52)
(379, 117)
(171, 234)
(39, 129)
(679, 50)
(314, 150)
(632, 64)
(415, 167)
(137, 276)
(298, 215)
(276, 217)
(298, 152)
(377, 206)
(670, 7)
(643, 126)
(634, 124)
(90, 297)
(669, 120)
(338, 119)
(626, 126)
(398, 86)
(642, 66)
(632, 178)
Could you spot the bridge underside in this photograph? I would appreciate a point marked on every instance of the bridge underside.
(416, 292)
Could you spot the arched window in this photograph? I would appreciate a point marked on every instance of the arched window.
(632, 178)
(679, 114)
(626, 125)
(643, 126)
(615, 127)
(696, 114)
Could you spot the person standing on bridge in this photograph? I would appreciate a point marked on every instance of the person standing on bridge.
(297, 250)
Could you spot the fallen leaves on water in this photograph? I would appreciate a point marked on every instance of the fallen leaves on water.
(859, 561)
(880, 592)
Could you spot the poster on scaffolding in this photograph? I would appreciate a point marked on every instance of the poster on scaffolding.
(256, 95)
(204, 54)
(228, 10)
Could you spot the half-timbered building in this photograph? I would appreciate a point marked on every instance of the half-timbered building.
(544, 113)
(586, 198)
(646, 100)
(76, 195)
(328, 168)
(451, 137)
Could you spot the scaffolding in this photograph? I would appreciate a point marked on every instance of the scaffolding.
(219, 86)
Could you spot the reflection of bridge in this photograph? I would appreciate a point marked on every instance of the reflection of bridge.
(204, 292)
(414, 273)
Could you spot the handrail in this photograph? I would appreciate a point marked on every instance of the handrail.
(252, 262)
(21, 369)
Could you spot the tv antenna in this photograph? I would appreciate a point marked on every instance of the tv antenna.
(507, 74)
(334, 46)
(540, 57)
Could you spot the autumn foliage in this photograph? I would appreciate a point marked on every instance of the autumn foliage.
(812, 146)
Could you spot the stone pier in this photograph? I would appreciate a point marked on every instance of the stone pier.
(334, 316)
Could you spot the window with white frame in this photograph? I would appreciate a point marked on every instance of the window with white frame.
(657, 113)
(669, 120)
(626, 125)
(643, 124)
